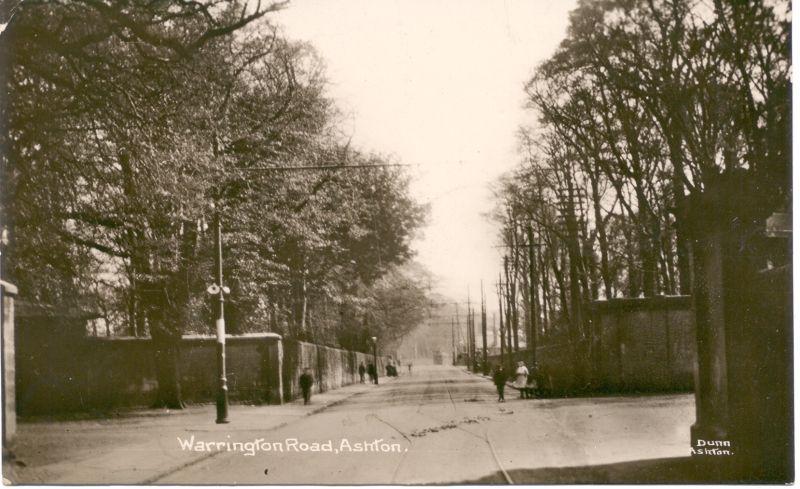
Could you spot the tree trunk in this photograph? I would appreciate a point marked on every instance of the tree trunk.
(602, 239)
(634, 284)
(167, 355)
(649, 265)
(502, 324)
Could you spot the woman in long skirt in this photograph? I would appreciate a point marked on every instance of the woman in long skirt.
(521, 380)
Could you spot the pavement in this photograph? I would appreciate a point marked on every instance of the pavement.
(139, 446)
(441, 425)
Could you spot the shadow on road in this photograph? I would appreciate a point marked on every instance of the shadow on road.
(678, 470)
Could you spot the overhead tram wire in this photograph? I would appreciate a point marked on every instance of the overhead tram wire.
(322, 167)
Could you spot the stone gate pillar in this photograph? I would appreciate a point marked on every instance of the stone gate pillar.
(743, 314)
(711, 382)
(8, 293)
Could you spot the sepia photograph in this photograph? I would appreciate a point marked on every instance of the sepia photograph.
(396, 242)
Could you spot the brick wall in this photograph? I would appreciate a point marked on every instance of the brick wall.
(561, 370)
(643, 344)
(635, 345)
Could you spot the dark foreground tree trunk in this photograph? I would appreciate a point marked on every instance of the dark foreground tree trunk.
(167, 356)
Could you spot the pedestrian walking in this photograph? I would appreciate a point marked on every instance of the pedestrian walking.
(306, 381)
(499, 379)
(373, 373)
(521, 378)
(361, 371)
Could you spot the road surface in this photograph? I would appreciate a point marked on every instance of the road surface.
(439, 425)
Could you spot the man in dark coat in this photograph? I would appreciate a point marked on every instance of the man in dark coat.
(306, 381)
(361, 371)
(499, 379)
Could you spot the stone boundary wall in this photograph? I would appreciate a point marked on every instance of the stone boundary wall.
(58, 371)
(253, 363)
(332, 368)
(96, 373)
(635, 345)
(644, 344)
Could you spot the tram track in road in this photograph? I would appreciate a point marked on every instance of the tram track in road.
(426, 393)
(431, 396)
(496, 458)
(405, 452)
(428, 388)
(438, 442)
(485, 437)
(424, 397)
(449, 428)
(449, 393)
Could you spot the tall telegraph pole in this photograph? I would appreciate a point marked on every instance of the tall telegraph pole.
(484, 359)
(453, 338)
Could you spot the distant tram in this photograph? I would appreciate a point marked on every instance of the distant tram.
(437, 357)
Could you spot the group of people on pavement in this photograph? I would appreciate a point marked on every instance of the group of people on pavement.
(306, 380)
(369, 370)
(523, 380)
(391, 369)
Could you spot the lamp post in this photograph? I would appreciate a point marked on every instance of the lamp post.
(219, 290)
(375, 357)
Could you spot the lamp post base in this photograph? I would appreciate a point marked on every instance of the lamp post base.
(222, 392)
(222, 406)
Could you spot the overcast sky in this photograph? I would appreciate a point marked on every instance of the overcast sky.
(438, 84)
